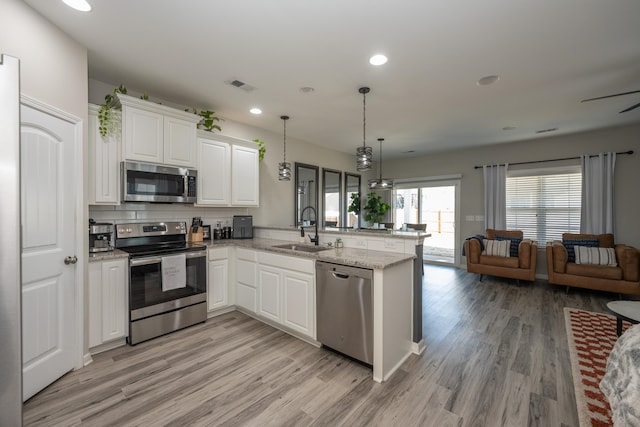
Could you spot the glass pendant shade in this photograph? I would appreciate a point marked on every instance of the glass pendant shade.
(380, 183)
(364, 157)
(364, 154)
(284, 167)
(284, 171)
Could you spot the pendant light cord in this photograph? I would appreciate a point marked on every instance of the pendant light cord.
(380, 139)
(284, 120)
(364, 119)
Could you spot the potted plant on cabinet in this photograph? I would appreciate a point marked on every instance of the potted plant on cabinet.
(375, 208)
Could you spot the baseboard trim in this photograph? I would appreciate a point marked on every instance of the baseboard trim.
(418, 347)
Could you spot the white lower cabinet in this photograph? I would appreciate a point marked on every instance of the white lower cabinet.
(299, 302)
(108, 301)
(218, 284)
(246, 296)
(269, 299)
(286, 292)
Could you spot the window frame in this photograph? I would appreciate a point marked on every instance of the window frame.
(541, 221)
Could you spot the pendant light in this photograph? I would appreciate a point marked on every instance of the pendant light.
(284, 168)
(380, 183)
(364, 154)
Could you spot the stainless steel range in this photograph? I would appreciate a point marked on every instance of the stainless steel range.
(167, 278)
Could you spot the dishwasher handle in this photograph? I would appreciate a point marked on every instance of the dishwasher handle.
(340, 271)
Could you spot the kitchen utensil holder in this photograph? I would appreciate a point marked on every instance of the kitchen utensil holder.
(196, 236)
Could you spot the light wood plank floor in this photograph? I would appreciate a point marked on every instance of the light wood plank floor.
(496, 356)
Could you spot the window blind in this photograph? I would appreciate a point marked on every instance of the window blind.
(545, 205)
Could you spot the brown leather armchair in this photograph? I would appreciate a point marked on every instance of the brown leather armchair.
(623, 279)
(521, 267)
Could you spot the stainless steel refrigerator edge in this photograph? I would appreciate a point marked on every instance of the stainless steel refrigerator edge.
(10, 245)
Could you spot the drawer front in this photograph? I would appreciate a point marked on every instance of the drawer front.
(246, 254)
(294, 263)
(218, 254)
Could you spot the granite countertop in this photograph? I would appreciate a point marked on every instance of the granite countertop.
(363, 231)
(106, 256)
(346, 256)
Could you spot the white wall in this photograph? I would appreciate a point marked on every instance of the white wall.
(53, 69)
(627, 195)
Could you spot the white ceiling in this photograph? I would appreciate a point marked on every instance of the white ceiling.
(549, 54)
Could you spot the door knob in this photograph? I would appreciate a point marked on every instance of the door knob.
(70, 260)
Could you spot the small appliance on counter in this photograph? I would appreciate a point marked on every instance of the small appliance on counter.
(206, 232)
(100, 236)
(242, 227)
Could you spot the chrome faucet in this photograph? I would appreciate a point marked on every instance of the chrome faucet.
(316, 239)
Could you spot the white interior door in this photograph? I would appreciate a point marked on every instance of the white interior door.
(48, 237)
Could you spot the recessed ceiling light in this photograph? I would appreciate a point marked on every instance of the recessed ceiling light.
(81, 5)
(378, 60)
(488, 80)
(255, 110)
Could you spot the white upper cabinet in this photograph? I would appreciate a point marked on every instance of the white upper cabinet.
(104, 160)
(245, 176)
(158, 134)
(228, 171)
(214, 172)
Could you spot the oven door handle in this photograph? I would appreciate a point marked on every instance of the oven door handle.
(158, 259)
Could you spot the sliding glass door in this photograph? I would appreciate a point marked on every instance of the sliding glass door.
(434, 204)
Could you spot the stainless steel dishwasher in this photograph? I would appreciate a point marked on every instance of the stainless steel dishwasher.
(344, 309)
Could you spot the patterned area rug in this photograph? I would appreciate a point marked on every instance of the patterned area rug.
(591, 338)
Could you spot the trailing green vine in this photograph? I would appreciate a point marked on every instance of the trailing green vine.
(104, 114)
(262, 148)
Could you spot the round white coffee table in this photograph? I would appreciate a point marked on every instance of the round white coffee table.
(624, 310)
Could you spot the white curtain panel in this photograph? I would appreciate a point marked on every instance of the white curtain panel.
(597, 193)
(495, 201)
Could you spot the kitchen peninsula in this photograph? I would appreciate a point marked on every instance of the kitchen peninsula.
(393, 256)
(289, 303)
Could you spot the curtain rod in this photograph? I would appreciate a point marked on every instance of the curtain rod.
(556, 160)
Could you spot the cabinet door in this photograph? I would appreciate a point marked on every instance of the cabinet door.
(245, 176)
(269, 293)
(218, 277)
(143, 135)
(114, 299)
(95, 303)
(246, 279)
(104, 160)
(214, 172)
(298, 294)
(179, 142)
(246, 297)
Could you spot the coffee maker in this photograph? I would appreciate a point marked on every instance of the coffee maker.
(100, 236)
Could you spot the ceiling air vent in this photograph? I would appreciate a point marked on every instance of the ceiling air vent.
(241, 85)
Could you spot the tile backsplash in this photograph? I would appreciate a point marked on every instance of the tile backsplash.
(143, 212)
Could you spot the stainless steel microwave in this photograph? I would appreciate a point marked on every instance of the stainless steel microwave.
(146, 182)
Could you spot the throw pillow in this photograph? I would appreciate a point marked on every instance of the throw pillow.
(597, 256)
(496, 247)
(515, 243)
(570, 243)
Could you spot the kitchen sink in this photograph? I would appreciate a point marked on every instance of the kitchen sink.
(298, 247)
